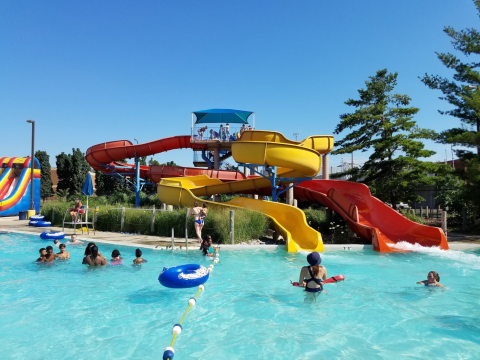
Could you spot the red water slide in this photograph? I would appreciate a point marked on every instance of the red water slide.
(369, 217)
(104, 157)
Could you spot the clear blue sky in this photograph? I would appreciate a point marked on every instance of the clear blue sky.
(94, 71)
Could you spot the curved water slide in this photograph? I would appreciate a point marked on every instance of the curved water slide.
(370, 218)
(105, 158)
(293, 159)
(15, 185)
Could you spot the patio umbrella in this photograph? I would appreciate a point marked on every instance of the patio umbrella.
(87, 190)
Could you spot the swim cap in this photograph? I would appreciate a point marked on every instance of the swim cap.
(314, 258)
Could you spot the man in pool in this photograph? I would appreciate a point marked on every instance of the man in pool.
(50, 254)
(43, 253)
(56, 242)
(311, 276)
(74, 241)
(63, 254)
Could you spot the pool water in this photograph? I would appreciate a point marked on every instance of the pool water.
(249, 310)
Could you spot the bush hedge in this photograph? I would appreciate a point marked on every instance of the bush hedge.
(248, 224)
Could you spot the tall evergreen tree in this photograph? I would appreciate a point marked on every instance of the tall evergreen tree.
(46, 189)
(71, 171)
(383, 122)
(463, 93)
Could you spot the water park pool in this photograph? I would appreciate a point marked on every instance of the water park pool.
(248, 310)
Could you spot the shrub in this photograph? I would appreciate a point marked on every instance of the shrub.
(412, 217)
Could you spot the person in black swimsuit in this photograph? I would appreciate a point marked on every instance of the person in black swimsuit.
(311, 276)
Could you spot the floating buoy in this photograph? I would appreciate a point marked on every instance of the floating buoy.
(184, 276)
(169, 353)
(177, 329)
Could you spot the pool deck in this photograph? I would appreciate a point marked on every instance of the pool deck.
(456, 241)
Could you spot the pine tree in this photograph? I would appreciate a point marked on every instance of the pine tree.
(463, 93)
(46, 189)
(383, 122)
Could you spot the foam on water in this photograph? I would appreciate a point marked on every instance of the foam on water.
(460, 257)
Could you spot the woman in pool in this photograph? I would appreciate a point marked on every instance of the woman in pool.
(139, 260)
(116, 258)
(88, 252)
(311, 276)
(63, 254)
(208, 249)
(196, 212)
(95, 259)
(433, 279)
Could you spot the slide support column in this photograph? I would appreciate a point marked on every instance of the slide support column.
(137, 185)
(325, 174)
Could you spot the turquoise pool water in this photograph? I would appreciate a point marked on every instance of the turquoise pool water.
(248, 311)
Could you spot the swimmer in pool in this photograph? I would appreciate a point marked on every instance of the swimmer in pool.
(311, 276)
(116, 258)
(95, 259)
(74, 241)
(88, 251)
(50, 254)
(207, 248)
(63, 254)
(139, 260)
(196, 212)
(43, 254)
(433, 279)
(56, 242)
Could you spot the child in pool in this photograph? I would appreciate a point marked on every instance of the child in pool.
(50, 254)
(43, 254)
(433, 279)
(139, 260)
(63, 254)
(116, 258)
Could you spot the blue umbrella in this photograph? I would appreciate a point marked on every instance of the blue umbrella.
(87, 190)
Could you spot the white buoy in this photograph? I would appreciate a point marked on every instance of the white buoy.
(177, 329)
(192, 301)
(201, 287)
(215, 261)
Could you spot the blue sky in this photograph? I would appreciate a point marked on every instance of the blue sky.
(94, 71)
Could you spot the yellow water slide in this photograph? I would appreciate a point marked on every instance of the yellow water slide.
(292, 159)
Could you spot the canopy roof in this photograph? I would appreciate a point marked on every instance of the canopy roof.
(222, 116)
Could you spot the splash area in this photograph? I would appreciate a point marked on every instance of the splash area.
(248, 308)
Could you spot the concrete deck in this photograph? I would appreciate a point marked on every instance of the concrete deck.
(11, 223)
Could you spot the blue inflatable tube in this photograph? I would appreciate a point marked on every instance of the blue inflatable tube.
(42, 223)
(52, 235)
(184, 276)
(32, 223)
(37, 218)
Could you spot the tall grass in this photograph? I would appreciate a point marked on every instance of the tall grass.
(247, 224)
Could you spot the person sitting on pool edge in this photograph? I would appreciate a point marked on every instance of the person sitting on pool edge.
(43, 253)
(433, 279)
(95, 259)
(311, 276)
(64, 255)
(139, 260)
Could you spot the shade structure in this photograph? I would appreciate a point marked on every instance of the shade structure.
(88, 186)
(222, 116)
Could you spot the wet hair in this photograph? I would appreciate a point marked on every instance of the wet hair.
(315, 270)
(138, 253)
(48, 248)
(62, 246)
(42, 249)
(88, 249)
(56, 241)
(435, 275)
(115, 253)
(94, 252)
(204, 205)
(195, 204)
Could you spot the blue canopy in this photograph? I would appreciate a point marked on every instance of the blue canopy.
(88, 186)
(222, 116)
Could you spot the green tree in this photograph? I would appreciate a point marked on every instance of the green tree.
(107, 185)
(71, 171)
(46, 189)
(463, 93)
(383, 122)
(151, 162)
